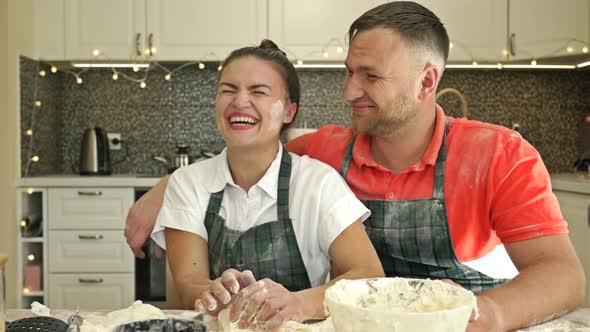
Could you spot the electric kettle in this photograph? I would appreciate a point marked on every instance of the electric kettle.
(95, 158)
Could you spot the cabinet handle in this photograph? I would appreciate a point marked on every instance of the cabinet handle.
(90, 280)
(138, 44)
(90, 193)
(512, 44)
(151, 44)
(90, 237)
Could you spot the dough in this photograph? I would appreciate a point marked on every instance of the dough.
(137, 311)
(226, 326)
(38, 309)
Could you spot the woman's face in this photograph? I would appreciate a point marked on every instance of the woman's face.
(251, 104)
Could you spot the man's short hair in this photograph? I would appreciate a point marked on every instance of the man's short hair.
(417, 25)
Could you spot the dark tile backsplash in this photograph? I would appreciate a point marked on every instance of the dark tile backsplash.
(548, 106)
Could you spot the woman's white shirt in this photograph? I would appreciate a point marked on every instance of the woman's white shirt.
(321, 205)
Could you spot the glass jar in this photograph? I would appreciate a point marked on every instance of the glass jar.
(3, 259)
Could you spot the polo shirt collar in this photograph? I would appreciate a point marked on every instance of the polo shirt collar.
(361, 151)
(268, 182)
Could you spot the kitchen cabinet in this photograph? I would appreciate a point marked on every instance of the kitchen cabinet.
(162, 29)
(306, 29)
(87, 250)
(576, 209)
(48, 30)
(542, 27)
(477, 29)
(203, 29)
(114, 27)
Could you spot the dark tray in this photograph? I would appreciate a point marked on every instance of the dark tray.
(164, 325)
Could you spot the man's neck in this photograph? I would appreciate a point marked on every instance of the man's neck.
(406, 146)
(249, 164)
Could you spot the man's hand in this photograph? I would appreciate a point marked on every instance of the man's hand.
(265, 305)
(221, 290)
(142, 217)
(489, 316)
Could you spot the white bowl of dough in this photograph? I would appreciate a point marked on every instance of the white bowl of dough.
(399, 304)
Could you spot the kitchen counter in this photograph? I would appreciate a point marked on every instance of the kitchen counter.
(122, 180)
(573, 182)
(578, 320)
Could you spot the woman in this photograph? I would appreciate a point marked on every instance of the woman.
(257, 212)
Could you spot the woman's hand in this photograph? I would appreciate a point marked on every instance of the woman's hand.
(265, 305)
(221, 290)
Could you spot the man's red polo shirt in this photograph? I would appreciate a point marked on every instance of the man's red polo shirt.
(497, 189)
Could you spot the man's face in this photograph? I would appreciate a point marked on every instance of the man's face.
(380, 84)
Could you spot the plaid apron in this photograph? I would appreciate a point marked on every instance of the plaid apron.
(269, 250)
(412, 237)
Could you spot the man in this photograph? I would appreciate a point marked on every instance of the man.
(450, 198)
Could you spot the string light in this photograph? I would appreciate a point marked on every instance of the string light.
(37, 103)
(585, 49)
(451, 45)
(201, 65)
(96, 52)
(499, 65)
(505, 53)
(168, 77)
(325, 54)
(35, 159)
(153, 51)
(42, 73)
(54, 69)
(79, 80)
(30, 191)
(300, 62)
(23, 223)
(26, 290)
(219, 68)
(29, 132)
(142, 85)
(31, 257)
(474, 63)
(339, 49)
(115, 77)
(135, 69)
(569, 49)
(534, 62)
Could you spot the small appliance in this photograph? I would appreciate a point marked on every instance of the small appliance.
(95, 158)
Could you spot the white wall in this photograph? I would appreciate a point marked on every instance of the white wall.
(16, 38)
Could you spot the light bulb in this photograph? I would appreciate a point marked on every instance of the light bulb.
(35, 159)
(135, 69)
(505, 52)
(499, 65)
(300, 62)
(37, 103)
(569, 49)
(201, 65)
(326, 54)
(534, 62)
(153, 51)
(31, 257)
(23, 223)
(30, 191)
(167, 77)
(219, 68)
(451, 45)
(29, 132)
(339, 49)
(26, 290)
(42, 73)
(79, 80)
(585, 49)
(96, 52)
(474, 63)
(146, 51)
(54, 69)
(115, 76)
(142, 85)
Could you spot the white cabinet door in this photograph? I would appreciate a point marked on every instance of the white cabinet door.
(477, 29)
(192, 29)
(114, 27)
(575, 209)
(542, 27)
(49, 29)
(91, 291)
(306, 29)
(89, 208)
(89, 251)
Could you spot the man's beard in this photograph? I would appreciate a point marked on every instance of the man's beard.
(397, 114)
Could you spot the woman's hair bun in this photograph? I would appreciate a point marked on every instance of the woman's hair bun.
(267, 44)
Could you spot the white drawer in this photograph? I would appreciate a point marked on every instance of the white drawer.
(89, 251)
(91, 291)
(89, 208)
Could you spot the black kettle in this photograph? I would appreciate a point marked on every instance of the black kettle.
(95, 158)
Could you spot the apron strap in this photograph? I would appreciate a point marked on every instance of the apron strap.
(283, 187)
(347, 158)
(439, 167)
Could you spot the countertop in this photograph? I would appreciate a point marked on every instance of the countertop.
(578, 320)
(119, 180)
(573, 182)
